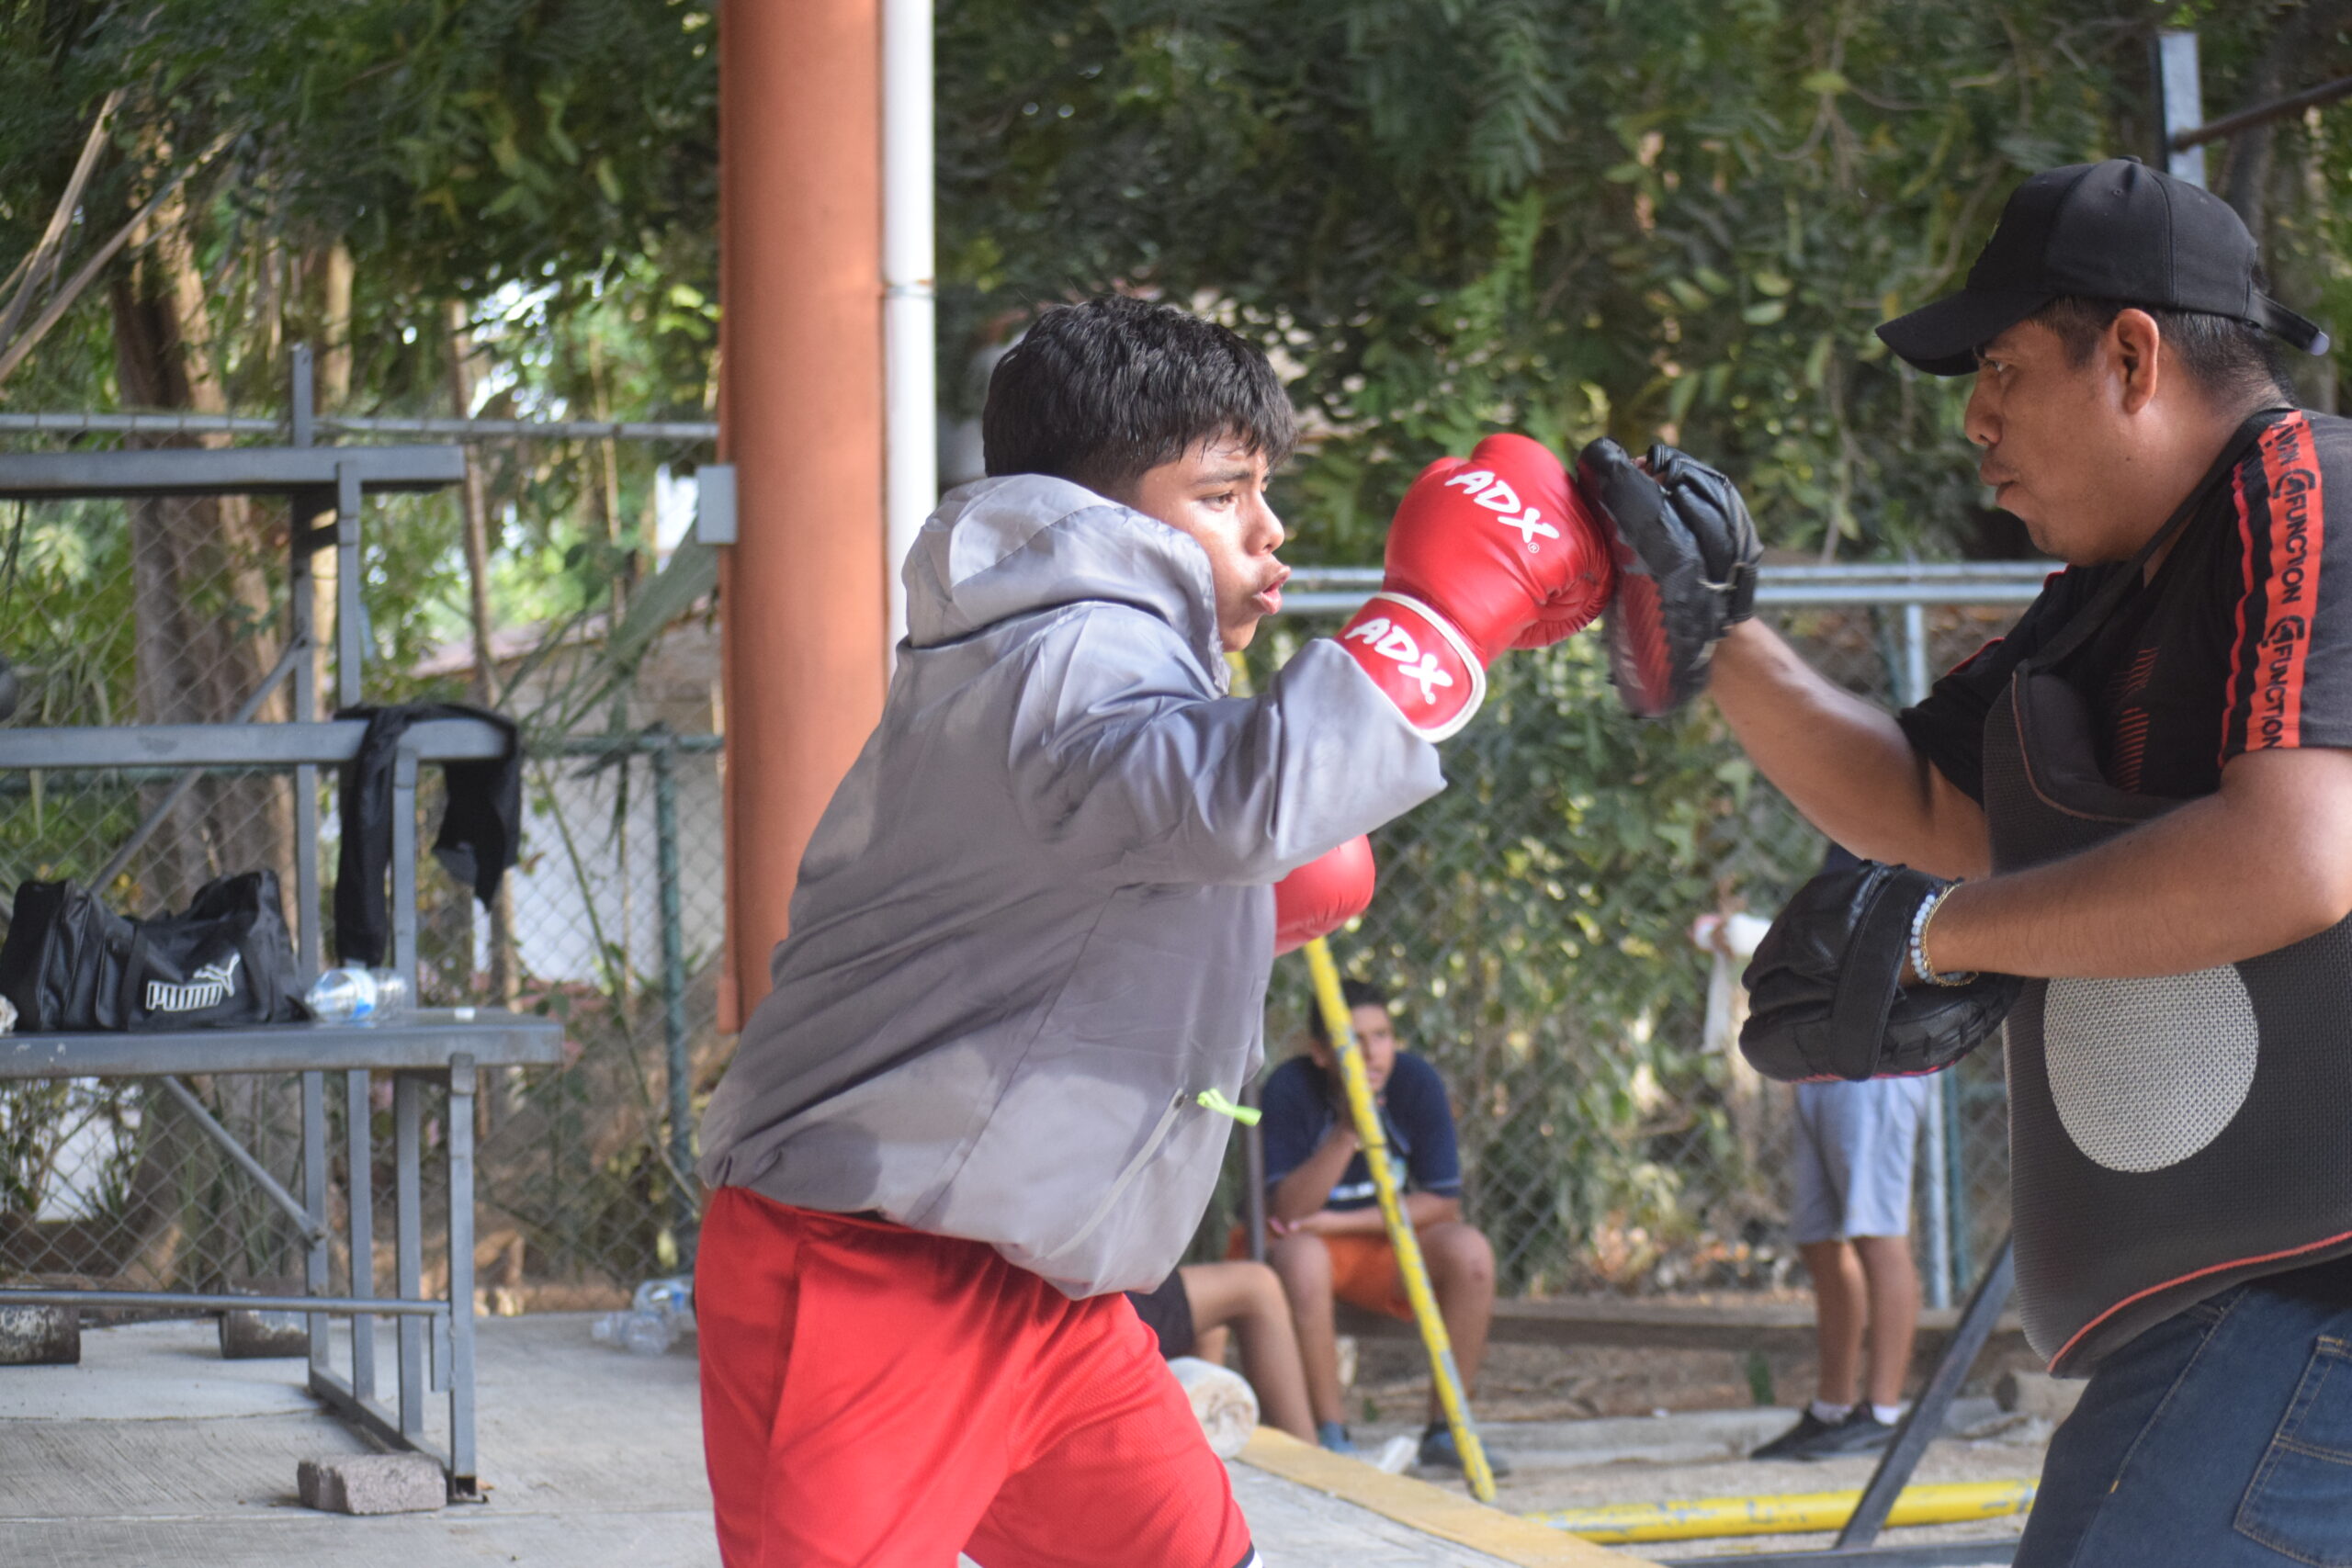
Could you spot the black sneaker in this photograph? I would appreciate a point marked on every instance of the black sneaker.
(1859, 1433)
(1439, 1451)
(1798, 1441)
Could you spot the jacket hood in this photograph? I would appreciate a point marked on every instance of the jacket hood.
(1020, 543)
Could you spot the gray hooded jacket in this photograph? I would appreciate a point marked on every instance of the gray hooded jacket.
(1035, 921)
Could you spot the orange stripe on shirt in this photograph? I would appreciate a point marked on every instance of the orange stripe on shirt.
(2290, 591)
(2238, 680)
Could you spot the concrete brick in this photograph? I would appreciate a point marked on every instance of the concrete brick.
(2037, 1393)
(372, 1483)
(262, 1335)
(40, 1336)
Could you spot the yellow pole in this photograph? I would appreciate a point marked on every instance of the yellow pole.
(1333, 1003)
(1707, 1518)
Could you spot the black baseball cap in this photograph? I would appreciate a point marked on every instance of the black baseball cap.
(2112, 231)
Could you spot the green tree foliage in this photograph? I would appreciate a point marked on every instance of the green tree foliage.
(1673, 219)
(1677, 218)
(551, 164)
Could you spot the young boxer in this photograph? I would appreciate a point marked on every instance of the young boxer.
(1031, 938)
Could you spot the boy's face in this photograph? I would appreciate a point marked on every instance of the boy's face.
(1375, 1037)
(1216, 493)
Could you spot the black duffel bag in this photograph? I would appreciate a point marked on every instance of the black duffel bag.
(71, 964)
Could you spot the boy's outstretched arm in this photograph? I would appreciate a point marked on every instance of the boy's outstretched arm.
(1484, 554)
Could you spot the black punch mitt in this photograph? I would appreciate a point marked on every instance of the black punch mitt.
(1825, 992)
(1686, 553)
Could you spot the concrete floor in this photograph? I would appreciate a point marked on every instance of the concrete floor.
(154, 1451)
(1689, 1454)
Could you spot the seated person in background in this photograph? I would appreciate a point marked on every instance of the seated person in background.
(1198, 1305)
(1328, 1240)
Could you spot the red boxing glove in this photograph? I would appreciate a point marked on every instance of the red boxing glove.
(1323, 894)
(1493, 551)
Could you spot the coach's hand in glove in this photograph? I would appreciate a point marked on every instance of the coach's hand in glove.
(1488, 552)
(1686, 553)
(1825, 992)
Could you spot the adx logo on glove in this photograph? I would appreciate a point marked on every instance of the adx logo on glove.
(1496, 495)
(1455, 591)
(1390, 641)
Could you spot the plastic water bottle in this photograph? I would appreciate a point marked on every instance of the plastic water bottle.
(638, 1332)
(671, 1300)
(357, 995)
(659, 1314)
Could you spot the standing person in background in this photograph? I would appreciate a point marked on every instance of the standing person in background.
(1329, 1241)
(1851, 1153)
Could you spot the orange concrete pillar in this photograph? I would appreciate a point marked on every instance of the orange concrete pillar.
(802, 593)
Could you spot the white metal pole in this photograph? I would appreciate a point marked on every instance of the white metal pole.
(2181, 96)
(909, 314)
(1933, 1155)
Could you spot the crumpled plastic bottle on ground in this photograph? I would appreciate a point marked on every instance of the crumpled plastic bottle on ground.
(638, 1332)
(658, 1316)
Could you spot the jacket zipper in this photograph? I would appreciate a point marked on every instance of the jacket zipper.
(1211, 1099)
(1126, 1176)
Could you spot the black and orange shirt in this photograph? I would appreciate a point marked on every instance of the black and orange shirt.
(2241, 641)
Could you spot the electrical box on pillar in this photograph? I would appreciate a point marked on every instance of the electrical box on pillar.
(802, 592)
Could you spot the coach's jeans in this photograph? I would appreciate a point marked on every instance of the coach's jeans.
(2220, 1439)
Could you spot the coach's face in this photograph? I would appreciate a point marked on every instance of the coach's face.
(2063, 443)
(2038, 417)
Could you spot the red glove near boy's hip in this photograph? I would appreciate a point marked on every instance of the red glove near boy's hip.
(1325, 894)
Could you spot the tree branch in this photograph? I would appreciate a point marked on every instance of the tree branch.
(43, 259)
(67, 294)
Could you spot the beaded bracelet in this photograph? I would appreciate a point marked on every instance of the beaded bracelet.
(1920, 919)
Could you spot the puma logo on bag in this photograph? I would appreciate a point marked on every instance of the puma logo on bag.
(1392, 641)
(209, 988)
(1495, 495)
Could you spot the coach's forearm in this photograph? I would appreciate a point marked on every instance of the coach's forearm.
(1843, 762)
(2258, 866)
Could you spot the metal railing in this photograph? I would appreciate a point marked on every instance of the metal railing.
(1338, 590)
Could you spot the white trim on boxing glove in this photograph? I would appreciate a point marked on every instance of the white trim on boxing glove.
(1421, 660)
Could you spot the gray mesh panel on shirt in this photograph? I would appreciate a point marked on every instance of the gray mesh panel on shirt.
(2146, 1072)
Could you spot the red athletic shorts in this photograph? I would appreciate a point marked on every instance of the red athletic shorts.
(1364, 1271)
(874, 1396)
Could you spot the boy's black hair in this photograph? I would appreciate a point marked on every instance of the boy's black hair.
(1358, 994)
(1099, 392)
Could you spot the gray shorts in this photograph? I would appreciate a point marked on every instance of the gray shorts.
(1853, 1153)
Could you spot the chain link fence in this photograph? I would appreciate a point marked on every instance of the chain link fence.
(1533, 924)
